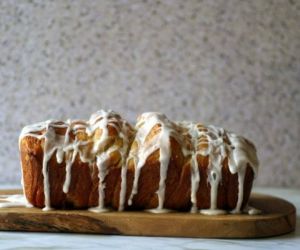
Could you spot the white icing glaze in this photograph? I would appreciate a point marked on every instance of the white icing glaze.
(211, 141)
(15, 200)
(252, 210)
(123, 150)
(123, 187)
(99, 210)
(159, 211)
(101, 162)
(212, 211)
(195, 175)
(195, 179)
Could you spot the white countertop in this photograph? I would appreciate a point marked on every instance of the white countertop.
(20, 240)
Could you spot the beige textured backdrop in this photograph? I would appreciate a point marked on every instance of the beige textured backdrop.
(234, 64)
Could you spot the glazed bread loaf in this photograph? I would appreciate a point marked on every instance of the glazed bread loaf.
(159, 165)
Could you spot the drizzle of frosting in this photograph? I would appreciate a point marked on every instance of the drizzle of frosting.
(159, 211)
(212, 211)
(193, 131)
(216, 143)
(252, 210)
(211, 143)
(15, 200)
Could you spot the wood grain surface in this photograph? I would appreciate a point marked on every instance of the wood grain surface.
(278, 217)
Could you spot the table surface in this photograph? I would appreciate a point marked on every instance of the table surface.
(25, 240)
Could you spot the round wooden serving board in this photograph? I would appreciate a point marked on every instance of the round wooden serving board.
(278, 217)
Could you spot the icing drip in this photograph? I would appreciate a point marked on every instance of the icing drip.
(251, 210)
(46, 158)
(212, 211)
(123, 186)
(101, 162)
(241, 178)
(102, 172)
(100, 119)
(195, 175)
(69, 163)
(195, 179)
(124, 152)
(164, 158)
(159, 211)
(16, 200)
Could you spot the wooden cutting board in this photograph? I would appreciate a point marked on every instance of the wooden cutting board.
(278, 217)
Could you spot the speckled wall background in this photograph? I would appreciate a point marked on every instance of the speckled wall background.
(234, 64)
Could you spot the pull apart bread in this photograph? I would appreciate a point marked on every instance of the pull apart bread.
(160, 165)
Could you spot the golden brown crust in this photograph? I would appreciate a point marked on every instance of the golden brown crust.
(83, 190)
(177, 181)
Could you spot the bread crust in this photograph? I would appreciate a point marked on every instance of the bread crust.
(83, 189)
